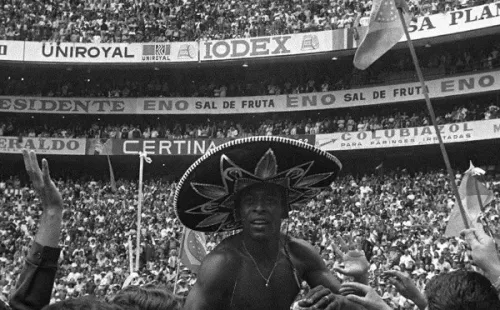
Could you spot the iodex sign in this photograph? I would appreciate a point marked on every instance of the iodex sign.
(304, 43)
(451, 133)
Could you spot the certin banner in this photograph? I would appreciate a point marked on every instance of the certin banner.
(111, 53)
(164, 146)
(435, 25)
(439, 88)
(387, 138)
(53, 146)
(292, 44)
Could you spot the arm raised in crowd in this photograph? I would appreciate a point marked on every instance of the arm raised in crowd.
(484, 254)
(34, 286)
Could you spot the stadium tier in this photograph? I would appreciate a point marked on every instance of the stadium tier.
(91, 85)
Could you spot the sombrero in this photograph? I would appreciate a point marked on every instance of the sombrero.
(205, 195)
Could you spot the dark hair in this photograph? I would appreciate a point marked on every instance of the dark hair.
(282, 190)
(461, 290)
(147, 298)
(82, 303)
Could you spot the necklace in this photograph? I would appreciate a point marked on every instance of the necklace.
(257, 266)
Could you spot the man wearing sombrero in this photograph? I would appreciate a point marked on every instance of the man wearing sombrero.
(251, 184)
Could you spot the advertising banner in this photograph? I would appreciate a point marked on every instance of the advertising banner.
(387, 138)
(111, 53)
(11, 50)
(429, 26)
(399, 93)
(292, 44)
(435, 25)
(163, 146)
(53, 146)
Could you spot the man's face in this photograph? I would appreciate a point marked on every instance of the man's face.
(261, 207)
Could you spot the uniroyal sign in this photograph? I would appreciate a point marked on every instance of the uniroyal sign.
(110, 53)
(399, 93)
(294, 44)
(11, 50)
(451, 133)
(56, 146)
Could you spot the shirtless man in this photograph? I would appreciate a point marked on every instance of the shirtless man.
(261, 267)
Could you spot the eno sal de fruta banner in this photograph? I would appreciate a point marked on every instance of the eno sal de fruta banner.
(399, 93)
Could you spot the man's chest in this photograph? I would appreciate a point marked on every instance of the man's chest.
(249, 291)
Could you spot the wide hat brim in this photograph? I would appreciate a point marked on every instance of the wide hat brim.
(204, 197)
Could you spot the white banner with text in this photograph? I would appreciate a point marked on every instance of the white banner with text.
(111, 53)
(430, 26)
(387, 138)
(52, 146)
(435, 25)
(292, 44)
(399, 93)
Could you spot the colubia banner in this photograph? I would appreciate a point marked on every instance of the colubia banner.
(400, 137)
(398, 93)
(52, 146)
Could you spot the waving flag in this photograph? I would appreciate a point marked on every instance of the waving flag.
(193, 249)
(384, 31)
(111, 175)
(471, 190)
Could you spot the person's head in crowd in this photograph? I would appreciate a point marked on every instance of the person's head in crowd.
(461, 290)
(147, 298)
(84, 303)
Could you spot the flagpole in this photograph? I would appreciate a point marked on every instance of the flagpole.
(433, 118)
(179, 258)
(130, 254)
(139, 212)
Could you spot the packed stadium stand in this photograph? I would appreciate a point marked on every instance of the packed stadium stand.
(84, 79)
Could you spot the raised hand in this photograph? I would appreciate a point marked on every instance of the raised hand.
(42, 183)
(405, 286)
(355, 263)
(49, 230)
(483, 252)
(369, 297)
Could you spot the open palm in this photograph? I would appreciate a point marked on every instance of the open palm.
(355, 263)
(42, 183)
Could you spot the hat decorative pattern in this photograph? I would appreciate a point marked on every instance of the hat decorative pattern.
(219, 209)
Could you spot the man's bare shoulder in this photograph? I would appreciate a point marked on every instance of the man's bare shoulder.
(303, 251)
(222, 262)
(216, 277)
(300, 246)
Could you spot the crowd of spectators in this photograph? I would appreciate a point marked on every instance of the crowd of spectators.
(164, 127)
(235, 82)
(182, 20)
(399, 218)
